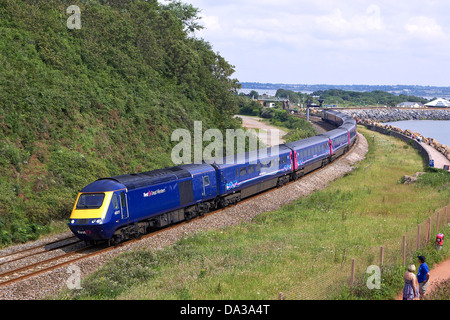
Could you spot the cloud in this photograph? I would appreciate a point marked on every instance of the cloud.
(425, 28)
(211, 23)
(347, 41)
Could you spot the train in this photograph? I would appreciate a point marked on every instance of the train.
(119, 208)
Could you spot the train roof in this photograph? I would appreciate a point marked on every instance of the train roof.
(103, 185)
(140, 180)
(307, 142)
(197, 168)
(144, 179)
(334, 133)
(348, 126)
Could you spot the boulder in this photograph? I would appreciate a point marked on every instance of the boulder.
(413, 179)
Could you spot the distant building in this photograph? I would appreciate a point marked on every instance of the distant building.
(410, 105)
(439, 103)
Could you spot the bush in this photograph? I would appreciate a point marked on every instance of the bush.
(436, 178)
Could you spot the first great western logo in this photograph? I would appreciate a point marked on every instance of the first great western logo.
(154, 193)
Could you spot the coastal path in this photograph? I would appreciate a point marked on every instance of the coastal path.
(439, 159)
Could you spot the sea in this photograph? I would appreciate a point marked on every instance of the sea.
(436, 129)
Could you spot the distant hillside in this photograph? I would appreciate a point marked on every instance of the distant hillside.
(419, 91)
(78, 105)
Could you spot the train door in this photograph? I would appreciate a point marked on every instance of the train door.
(294, 159)
(206, 183)
(124, 205)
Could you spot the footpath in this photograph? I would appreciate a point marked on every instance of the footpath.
(440, 271)
(273, 136)
(439, 159)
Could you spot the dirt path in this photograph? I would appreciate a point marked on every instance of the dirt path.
(274, 135)
(440, 272)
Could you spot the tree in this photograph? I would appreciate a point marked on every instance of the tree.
(187, 14)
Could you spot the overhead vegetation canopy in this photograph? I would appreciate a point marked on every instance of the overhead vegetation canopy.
(80, 104)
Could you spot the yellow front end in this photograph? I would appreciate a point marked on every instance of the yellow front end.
(99, 213)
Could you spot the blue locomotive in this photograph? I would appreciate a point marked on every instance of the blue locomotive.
(122, 207)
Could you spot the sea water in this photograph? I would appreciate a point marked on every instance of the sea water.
(436, 129)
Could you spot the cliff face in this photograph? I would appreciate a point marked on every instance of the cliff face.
(80, 104)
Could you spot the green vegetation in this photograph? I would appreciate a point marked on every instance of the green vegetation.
(350, 98)
(298, 128)
(78, 105)
(374, 98)
(302, 250)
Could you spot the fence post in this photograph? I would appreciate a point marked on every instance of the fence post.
(404, 250)
(448, 215)
(428, 231)
(418, 237)
(352, 277)
(437, 221)
(381, 256)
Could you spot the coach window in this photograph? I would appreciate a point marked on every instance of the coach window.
(258, 167)
(251, 169)
(243, 171)
(123, 200)
(237, 173)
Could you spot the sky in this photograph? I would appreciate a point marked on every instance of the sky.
(401, 42)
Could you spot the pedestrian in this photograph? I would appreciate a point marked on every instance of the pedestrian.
(423, 276)
(411, 288)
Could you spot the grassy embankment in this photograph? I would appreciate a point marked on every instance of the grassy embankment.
(78, 105)
(295, 249)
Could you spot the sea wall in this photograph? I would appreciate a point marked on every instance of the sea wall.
(407, 135)
(391, 115)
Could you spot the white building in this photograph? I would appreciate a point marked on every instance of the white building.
(439, 103)
(410, 105)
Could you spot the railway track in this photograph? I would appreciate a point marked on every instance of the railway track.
(17, 274)
(317, 121)
(12, 271)
(38, 249)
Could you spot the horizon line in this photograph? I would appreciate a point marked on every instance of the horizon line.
(327, 84)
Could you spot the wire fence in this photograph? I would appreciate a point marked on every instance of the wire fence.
(326, 284)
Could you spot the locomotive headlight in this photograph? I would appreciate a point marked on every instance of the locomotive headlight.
(72, 221)
(96, 221)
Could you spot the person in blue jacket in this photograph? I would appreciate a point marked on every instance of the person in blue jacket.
(423, 276)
